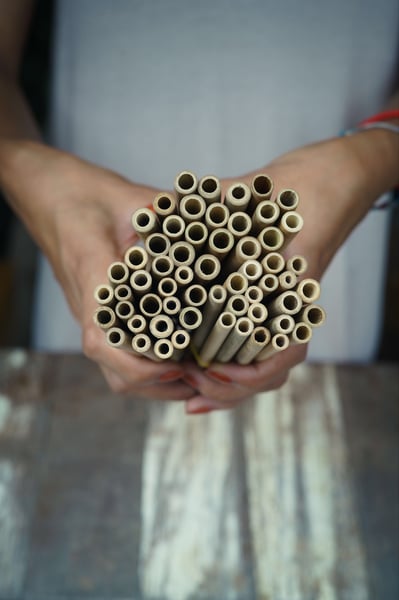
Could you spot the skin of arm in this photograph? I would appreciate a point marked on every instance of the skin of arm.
(79, 215)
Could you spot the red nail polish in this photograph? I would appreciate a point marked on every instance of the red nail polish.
(150, 206)
(201, 410)
(190, 380)
(220, 377)
(170, 376)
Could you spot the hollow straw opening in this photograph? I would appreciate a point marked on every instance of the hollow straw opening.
(104, 294)
(196, 232)
(186, 181)
(157, 244)
(209, 185)
(142, 220)
(181, 254)
(164, 202)
(292, 222)
(207, 266)
(237, 283)
(238, 192)
(162, 264)
(256, 312)
(297, 265)
(183, 273)
(140, 280)
(280, 340)
(114, 337)
(217, 214)
(290, 302)
(288, 199)
(150, 304)
(171, 304)
(173, 225)
(315, 315)
(240, 223)
(285, 324)
(249, 248)
(271, 238)
(123, 309)
(118, 272)
(268, 211)
(269, 282)
(217, 293)
(227, 319)
(135, 257)
(309, 290)
(262, 184)
(167, 286)
(190, 317)
(254, 294)
(244, 326)
(302, 332)
(163, 348)
(180, 339)
(142, 342)
(260, 336)
(104, 317)
(274, 262)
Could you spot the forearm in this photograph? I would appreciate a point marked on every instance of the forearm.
(16, 119)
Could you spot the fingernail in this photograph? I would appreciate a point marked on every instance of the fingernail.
(190, 380)
(150, 206)
(170, 376)
(220, 377)
(200, 410)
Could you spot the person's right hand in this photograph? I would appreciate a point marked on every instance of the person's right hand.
(80, 215)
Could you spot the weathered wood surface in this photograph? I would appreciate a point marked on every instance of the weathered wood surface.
(292, 496)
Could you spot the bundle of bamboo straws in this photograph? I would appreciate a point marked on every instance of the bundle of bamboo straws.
(208, 279)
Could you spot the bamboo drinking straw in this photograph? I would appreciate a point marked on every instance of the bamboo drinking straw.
(239, 224)
(222, 327)
(182, 253)
(265, 214)
(254, 294)
(268, 283)
(123, 292)
(257, 312)
(141, 282)
(313, 315)
(137, 324)
(216, 300)
(163, 349)
(209, 188)
(237, 197)
(237, 305)
(124, 310)
(207, 268)
(286, 281)
(216, 216)
(220, 243)
(184, 275)
(287, 200)
(164, 204)
(271, 239)
(104, 295)
(281, 324)
(288, 303)
(167, 287)
(301, 334)
(173, 227)
(261, 188)
(308, 290)
(104, 317)
(190, 318)
(185, 183)
(195, 295)
(279, 342)
(136, 258)
(297, 264)
(181, 341)
(161, 326)
(157, 244)
(236, 283)
(252, 269)
(150, 305)
(290, 224)
(144, 222)
(118, 338)
(247, 248)
(196, 234)
(142, 345)
(273, 263)
(192, 208)
(241, 331)
(161, 266)
(171, 306)
(117, 273)
(256, 342)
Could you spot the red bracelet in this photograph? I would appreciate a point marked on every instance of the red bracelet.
(385, 115)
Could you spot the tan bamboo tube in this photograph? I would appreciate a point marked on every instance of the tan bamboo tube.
(265, 214)
(286, 281)
(157, 244)
(123, 292)
(117, 273)
(281, 324)
(297, 264)
(273, 263)
(104, 295)
(287, 200)
(164, 204)
(312, 314)
(140, 282)
(173, 227)
(192, 208)
(290, 225)
(237, 305)
(271, 239)
(150, 305)
(137, 324)
(163, 349)
(220, 243)
(167, 287)
(239, 224)
(238, 335)
(195, 295)
(185, 183)
(161, 326)
(196, 234)
(161, 266)
(237, 197)
(124, 310)
(171, 306)
(190, 318)
(104, 317)
(236, 283)
(216, 300)
(301, 334)
(216, 216)
(206, 268)
(182, 253)
(258, 313)
(268, 283)
(142, 345)
(256, 342)
(261, 189)
(308, 290)
(181, 341)
(247, 248)
(279, 342)
(288, 303)
(144, 222)
(118, 338)
(252, 269)
(184, 275)
(136, 258)
(254, 294)
(221, 329)
(209, 188)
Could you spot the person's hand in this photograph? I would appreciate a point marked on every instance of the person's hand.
(80, 215)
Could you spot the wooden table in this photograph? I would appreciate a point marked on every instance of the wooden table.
(293, 496)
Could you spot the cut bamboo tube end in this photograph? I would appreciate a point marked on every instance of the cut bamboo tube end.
(171, 306)
(184, 275)
(209, 188)
(222, 327)
(288, 303)
(281, 324)
(312, 314)
(239, 224)
(247, 248)
(144, 222)
(252, 270)
(261, 187)
(195, 295)
(287, 200)
(238, 335)
(173, 227)
(237, 197)
(161, 266)
(236, 283)
(104, 295)
(104, 317)
(137, 324)
(196, 234)
(220, 243)
(140, 282)
(216, 300)
(256, 342)
(207, 267)
(164, 204)
(268, 284)
(124, 310)
(136, 258)
(192, 208)
(142, 345)
(161, 326)
(167, 287)
(258, 313)
(123, 292)
(273, 263)
(290, 225)
(182, 254)
(157, 244)
(286, 281)
(271, 239)
(278, 343)
(150, 305)
(265, 214)
(237, 305)
(301, 334)
(163, 349)
(297, 264)
(216, 216)
(185, 183)
(181, 341)
(254, 294)
(117, 273)
(117, 338)
(308, 290)
(190, 318)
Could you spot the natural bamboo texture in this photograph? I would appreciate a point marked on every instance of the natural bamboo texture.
(209, 278)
